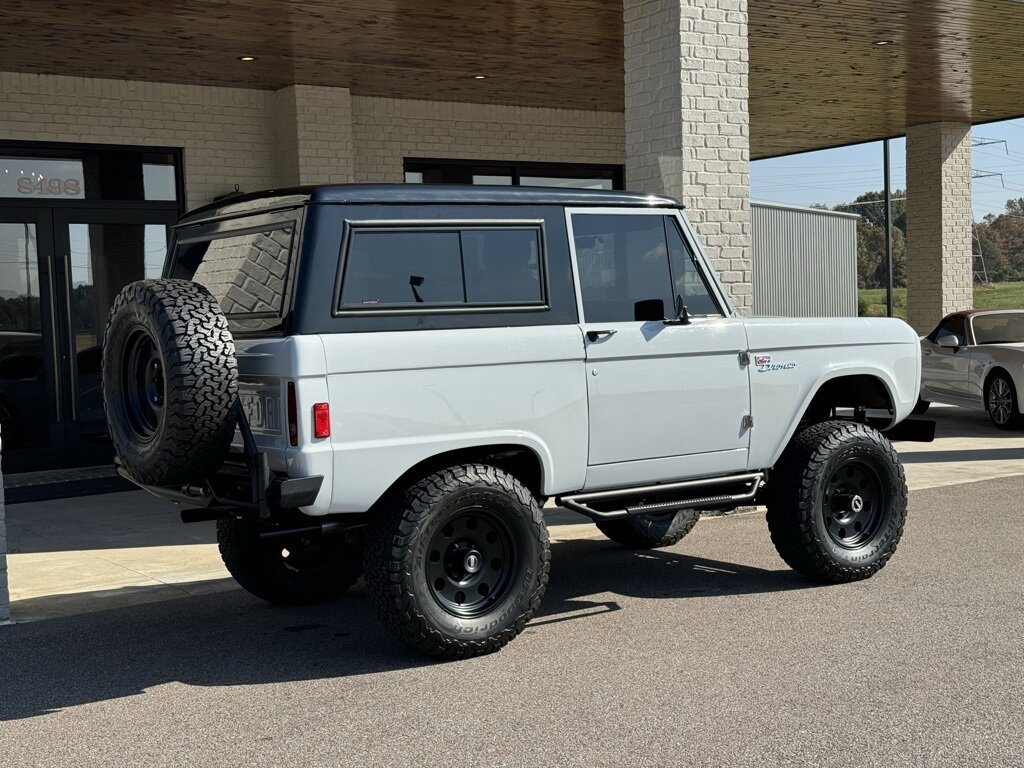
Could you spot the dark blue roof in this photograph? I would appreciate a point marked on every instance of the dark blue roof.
(403, 194)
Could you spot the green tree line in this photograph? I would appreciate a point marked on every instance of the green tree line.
(999, 236)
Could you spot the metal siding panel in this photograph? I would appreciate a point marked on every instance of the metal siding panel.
(804, 262)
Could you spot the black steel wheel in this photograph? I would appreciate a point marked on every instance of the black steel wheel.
(142, 383)
(1001, 402)
(292, 570)
(471, 562)
(837, 502)
(852, 503)
(457, 564)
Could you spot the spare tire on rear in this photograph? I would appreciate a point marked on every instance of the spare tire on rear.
(170, 381)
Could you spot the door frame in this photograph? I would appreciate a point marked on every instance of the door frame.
(77, 450)
(52, 453)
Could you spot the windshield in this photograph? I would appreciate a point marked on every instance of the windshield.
(1003, 328)
(247, 273)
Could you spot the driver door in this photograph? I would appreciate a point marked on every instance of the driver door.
(667, 399)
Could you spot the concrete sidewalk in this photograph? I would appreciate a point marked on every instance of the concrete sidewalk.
(98, 552)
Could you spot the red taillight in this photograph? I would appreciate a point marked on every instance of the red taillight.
(321, 420)
(293, 416)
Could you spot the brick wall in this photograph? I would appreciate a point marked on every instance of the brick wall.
(385, 131)
(313, 126)
(226, 132)
(940, 270)
(687, 123)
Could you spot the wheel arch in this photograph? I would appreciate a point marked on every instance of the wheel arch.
(518, 459)
(870, 388)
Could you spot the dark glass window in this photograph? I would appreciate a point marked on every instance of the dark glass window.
(622, 261)
(247, 274)
(690, 284)
(75, 174)
(476, 266)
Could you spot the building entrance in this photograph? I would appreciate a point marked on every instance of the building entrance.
(64, 256)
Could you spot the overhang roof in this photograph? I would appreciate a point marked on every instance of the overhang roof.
(817, 76)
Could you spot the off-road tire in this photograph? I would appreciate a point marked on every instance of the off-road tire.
(815, 460)
(404, 539)
(651, 531)
(315, 568)
(184, 436)
(1014, 420)
(921, 408)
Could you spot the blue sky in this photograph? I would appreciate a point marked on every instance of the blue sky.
(834, 176)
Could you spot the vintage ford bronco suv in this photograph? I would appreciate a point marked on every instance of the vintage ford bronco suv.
(391, 381)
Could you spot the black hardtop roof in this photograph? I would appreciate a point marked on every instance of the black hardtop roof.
(413, 194)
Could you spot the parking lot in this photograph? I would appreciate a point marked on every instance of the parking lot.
(711, 652)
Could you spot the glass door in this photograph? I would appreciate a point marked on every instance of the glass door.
(99, 251)
(31, 418)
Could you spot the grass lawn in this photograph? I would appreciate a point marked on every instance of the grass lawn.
(994, 296)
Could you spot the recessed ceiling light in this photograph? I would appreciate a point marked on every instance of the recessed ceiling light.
(883, 42)
(479, 77)
(247, 58)
(831, 101)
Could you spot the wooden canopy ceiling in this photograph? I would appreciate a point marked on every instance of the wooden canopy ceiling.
(817, 75)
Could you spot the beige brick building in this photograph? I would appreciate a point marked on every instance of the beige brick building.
(116, 118)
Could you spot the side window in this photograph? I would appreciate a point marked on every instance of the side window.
(689, 280)
(444, 268)
(622, 260)
(952, 326)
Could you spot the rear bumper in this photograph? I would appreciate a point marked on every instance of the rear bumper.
(223, 491)
(243, 485)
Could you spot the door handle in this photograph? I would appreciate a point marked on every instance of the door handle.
(595, 335)
(926, 353)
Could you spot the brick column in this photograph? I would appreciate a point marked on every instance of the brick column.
(687, 121)
(313, 135)
(940, 272)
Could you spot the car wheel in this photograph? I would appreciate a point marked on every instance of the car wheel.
(837, 502)
(458, 563)
(170, 381)
(662, 529)
(1001, 402)
(293, 570)
(921, 407)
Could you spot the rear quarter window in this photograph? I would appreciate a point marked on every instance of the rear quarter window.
(452, 268)
(247, 272)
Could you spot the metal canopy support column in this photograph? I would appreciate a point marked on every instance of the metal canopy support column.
(888, 229)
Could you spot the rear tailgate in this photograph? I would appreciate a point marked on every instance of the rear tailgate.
(267, 369)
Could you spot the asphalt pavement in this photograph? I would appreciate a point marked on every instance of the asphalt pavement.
(708, 653)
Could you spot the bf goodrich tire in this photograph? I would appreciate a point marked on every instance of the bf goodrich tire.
(837, 502)
(170, 381)
(650, 531)
(457, 564)
(298, 570)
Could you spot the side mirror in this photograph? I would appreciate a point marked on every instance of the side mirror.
(649, 310)
(949, 341)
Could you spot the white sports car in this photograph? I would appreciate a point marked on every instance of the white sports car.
(976, 359)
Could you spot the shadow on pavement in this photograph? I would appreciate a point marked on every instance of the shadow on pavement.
(231, 638)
